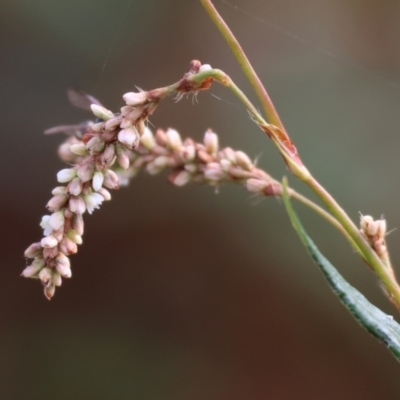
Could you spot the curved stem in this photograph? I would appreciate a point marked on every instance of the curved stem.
(287, 149)
(268, 106)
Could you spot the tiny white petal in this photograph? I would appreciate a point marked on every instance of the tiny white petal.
(93, 201)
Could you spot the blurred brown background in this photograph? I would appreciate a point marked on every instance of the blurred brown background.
(184, 293)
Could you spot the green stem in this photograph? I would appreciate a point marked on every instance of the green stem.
(382, 269)
(324, 214)
(247, 68)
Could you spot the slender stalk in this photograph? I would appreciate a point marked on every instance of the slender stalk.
(382, 268)
(247, 68)
(324, 214)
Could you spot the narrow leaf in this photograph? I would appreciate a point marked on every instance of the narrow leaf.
(376, 322)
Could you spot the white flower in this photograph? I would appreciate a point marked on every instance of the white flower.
(93, 200)
(98, 179)
(174, 140)
(49, 242)
(66, 175)
(56, 220)
(78, 148)
(45, 225)
(147, 139)
(211, 142)
(101, 112)
(134, 99)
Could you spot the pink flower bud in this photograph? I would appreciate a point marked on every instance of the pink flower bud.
(109, 154)
(161, 137)
(85, 172)
(211, 142)
(67, 246)
(49, 291)
(381, 228)
(147, 139)
(78, 224)
(105, 193)
(45, 275)
(56, 278)
(243, 160)
(154, 168)
(98, 127)
(123, 160)
(95, 145)
(174, 140)
(180, 178)
(365, 220)
(214, 172)
(63, 265)
(111, 180)
(256, 185)
(225, 165)
(380, 247)
(50, 253)
(75, 186)
(32, 270)
(56, 202)
(59, 190)
(34, 250)
(129, 137)
(140, 126)
(112, 123)
(372, 228)
(49, 242)
(188, 153)
(135, 99)
(77, 205)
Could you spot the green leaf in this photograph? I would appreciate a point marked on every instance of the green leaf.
(376, 322)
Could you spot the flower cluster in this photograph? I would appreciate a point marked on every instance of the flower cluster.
(374, 232)
(105, 154)
(104, 144)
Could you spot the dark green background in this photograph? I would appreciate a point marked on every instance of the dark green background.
(184, 293)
